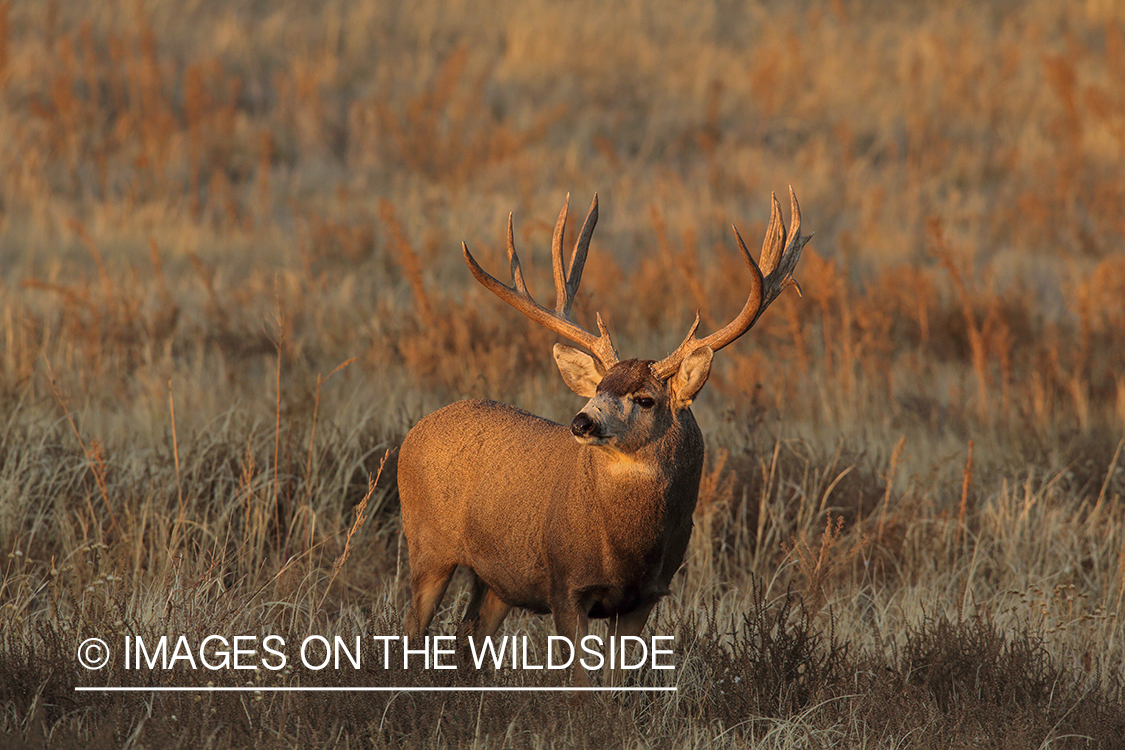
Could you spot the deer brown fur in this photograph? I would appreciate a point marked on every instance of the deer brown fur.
(586, 521)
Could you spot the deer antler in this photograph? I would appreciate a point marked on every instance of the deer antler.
(566, 286)
(779, 258)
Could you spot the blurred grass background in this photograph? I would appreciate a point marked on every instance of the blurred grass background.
(231, 282)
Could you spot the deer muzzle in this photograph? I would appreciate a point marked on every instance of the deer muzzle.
(586, 429)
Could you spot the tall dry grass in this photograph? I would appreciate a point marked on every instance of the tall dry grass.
(231, 282)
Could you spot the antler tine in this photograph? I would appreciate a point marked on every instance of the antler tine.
(558, 320)
(562, 301)
(781, 274)
(774, 241)
(780, 253)
(578, 257)
(514, 261)
(566, 284)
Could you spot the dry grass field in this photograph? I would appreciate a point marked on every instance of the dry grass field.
(231, 280)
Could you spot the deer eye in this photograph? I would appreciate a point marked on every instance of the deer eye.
(645, 402)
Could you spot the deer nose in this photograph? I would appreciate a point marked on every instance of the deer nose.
(582, 425)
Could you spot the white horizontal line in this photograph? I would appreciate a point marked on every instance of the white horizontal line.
(410, 689)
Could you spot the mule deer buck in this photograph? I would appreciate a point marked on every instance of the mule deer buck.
(589, 520)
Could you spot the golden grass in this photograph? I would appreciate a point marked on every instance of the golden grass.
(232, 281)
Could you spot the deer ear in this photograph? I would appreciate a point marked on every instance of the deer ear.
(580, 371)
(692, 375)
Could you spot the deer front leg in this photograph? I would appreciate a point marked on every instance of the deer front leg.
(572, 622)
(631, 624)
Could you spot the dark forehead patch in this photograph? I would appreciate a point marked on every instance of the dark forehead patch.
(627, 377)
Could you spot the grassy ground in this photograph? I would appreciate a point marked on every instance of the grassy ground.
(231, 283)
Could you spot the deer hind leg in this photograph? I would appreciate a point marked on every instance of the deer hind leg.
(631, 624)
(427, 587)
(476, 598)
(492, 613)
(485, 613)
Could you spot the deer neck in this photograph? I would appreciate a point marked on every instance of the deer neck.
(659, 481)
